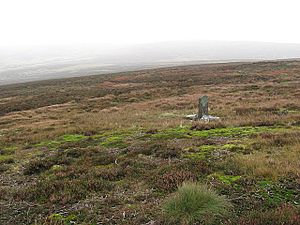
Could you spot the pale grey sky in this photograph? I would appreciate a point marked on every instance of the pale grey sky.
(60, 22)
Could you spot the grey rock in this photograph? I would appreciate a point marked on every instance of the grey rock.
(202, 111)
(203, 106)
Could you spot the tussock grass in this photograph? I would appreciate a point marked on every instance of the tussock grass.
(195, 203)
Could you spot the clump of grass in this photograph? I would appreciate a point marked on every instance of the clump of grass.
(193, 203)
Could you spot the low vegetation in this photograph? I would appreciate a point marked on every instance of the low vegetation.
(195, 203)
(115, 149)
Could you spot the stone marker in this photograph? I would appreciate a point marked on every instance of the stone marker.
(203, 107)
(202, 111)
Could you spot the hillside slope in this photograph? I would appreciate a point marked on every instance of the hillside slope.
(110, 149)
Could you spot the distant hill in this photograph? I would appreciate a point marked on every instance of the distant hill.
(39, 63)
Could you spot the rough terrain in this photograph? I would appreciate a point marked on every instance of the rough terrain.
(110, 149)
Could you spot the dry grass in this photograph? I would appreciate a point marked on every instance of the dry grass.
(273, 164)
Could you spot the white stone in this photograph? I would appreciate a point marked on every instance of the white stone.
(191, 116)
(209, 118)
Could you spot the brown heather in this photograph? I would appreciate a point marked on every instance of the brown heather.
(111, 149)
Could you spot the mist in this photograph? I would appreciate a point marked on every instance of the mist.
(54, 39)
(34, 63)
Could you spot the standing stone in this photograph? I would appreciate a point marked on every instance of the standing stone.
(202, 111)
(203, 107)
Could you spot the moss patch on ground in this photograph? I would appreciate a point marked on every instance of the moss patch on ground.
(116, 139)
(114, 142)
(201, 153)
(233, 131)
(73, 137)
(204, 151)
(172, 133)
(226, 179)
(186, 132)
(6, 159)
(53, 144)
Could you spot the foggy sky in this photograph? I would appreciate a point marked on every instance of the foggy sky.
(29, 64)
(119, 22)
(64, 38)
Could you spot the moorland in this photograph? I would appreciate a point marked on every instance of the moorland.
(115, 148)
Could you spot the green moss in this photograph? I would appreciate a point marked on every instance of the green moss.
(196, 156)
(114, 142)
(207, 148)
(111, 139)
(229, 146)
(234, 147)
(226, 179)
(185, 132)
(6, 159)
(202, 153)
(179, 133)
(231, 131)
(73, 137)
(53, 144)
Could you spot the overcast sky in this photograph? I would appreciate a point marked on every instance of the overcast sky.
(52, 22)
